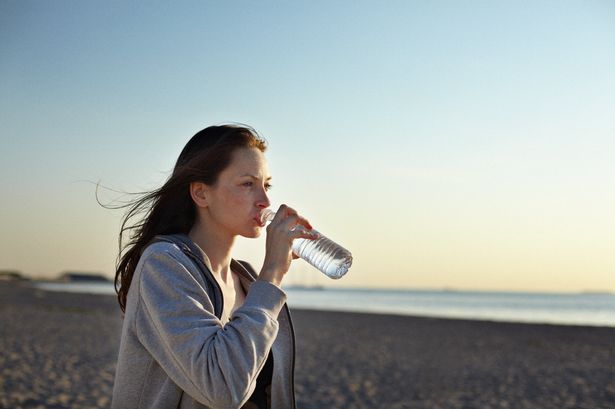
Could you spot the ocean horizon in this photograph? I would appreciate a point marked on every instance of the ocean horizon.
(591, 308)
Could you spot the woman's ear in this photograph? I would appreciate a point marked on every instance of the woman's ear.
(198, 192)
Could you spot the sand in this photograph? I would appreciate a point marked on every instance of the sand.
(58, 350)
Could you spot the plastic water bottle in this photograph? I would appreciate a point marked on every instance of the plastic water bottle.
(324, 254)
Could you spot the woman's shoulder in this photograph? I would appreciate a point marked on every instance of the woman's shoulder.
(162, 249)
(175, 245)
(166, 256)
(165, 267)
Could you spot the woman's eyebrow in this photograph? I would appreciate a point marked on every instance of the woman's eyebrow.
(254, 177)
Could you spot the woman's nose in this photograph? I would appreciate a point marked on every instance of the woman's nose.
(263, 201)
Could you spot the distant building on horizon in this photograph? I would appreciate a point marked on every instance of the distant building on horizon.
(73, 276)
(11, 275)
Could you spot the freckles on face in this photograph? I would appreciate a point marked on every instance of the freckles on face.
(239, 194)
(247, 174)
(232, 195)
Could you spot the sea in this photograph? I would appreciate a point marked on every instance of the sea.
(591, 309)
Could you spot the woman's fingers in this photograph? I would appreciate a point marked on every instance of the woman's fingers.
(289, 218)
(300, 231)
(286, 226)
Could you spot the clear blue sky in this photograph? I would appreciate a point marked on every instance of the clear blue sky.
(446, 143)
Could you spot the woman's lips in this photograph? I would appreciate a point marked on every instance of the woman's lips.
(259, 222)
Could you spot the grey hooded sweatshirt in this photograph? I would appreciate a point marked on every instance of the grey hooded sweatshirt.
(176, 353)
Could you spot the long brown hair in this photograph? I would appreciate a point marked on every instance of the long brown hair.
(170, 209)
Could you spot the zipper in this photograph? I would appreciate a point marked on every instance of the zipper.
(292, 333)
(292, 372)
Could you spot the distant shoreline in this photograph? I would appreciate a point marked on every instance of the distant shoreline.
(592, 310)
(100, 278)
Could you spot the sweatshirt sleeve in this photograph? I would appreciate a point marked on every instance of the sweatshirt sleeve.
(215, 364)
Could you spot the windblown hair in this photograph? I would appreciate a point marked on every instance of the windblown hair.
(170, 209)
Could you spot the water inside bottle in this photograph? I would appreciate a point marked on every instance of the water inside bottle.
(324, 254)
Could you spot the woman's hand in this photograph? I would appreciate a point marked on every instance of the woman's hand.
(286, 226)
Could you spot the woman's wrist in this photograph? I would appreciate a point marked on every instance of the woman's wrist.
(271, 276)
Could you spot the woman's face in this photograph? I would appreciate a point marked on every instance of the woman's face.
(235, 201)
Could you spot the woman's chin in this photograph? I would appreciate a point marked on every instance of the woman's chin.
(253, 234)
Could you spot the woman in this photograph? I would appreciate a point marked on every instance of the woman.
(202, 330)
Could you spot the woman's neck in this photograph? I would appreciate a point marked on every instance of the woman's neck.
(217, 247)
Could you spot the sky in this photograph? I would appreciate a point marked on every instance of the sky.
(447, 144)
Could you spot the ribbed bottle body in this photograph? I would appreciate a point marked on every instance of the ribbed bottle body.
(324, 254)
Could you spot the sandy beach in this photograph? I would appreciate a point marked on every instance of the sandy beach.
(58, 350)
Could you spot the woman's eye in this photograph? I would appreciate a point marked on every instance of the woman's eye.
(250, 184)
